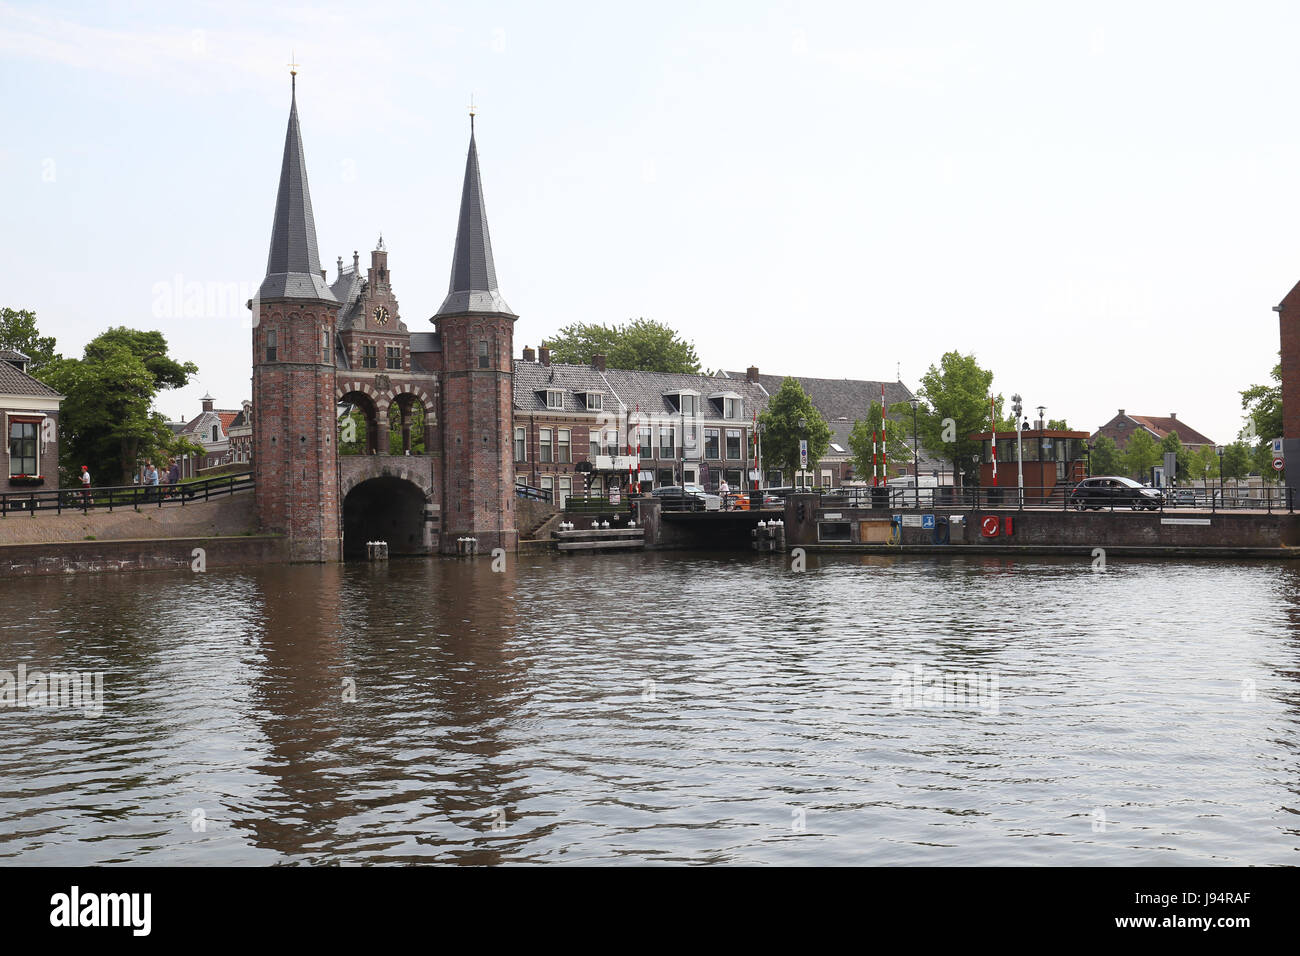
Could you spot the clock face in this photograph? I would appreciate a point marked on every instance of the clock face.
(381, 315)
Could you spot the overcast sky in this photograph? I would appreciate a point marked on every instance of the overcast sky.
(1098, 200)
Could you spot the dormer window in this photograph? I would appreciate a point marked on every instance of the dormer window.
(735, 408)
(216, 430)
(690, 405)
(595, 401)
(554, 398)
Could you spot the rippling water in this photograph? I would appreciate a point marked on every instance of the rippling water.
(653, 707)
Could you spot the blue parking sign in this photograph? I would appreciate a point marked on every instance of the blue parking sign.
(927, 521)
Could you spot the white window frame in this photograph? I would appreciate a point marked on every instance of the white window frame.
(566, 444)
(595, 402)
(740, 444)
(554, 398)
(521, 441)
(545, 446)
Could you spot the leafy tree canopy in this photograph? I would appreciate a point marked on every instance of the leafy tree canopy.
(1141, 454)
(107, 420)
(781, 431)
(955, 403)
(1106, 458)
(18, 331)
(642, 345)
(861, 440)
(1263, 407)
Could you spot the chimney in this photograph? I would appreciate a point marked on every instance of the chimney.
(1173, 414)
(544, 354)
(340, 267)
(598, 362)
(1121, 412)
(207, 402)
(529, 354)
(324, 276)
(356, 261)
(751, 375)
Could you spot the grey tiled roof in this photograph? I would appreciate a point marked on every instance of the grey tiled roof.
(473, 286)
(834, 397)
(426, 342)
(15, 382)
(629, 388)
(349, 288)
(13, 355)
(293, 265)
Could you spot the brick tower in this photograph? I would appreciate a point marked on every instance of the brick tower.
(476, 329)
(295, 458)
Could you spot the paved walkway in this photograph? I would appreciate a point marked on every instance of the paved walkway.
(229, 515)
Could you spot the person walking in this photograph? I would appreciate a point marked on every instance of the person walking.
(86, 499)
(724, 490)
(173, 476)
(150, 481)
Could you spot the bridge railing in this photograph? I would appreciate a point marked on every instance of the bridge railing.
(1066, 496)
(532, 494)
(111, 497)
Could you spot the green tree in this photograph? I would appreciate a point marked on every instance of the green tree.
(860, 439)
(642, 345)
(955, 403)
(18, 331)
(1106, 458)
(107, 419)
(1263, 407)
(1057, 424)
(782, 433)
(353, 432)
(1141, 455)
(1204, 464)
(395, 429)
(1236, 460)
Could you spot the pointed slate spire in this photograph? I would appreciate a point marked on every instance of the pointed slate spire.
(293, 266)
(473, 274)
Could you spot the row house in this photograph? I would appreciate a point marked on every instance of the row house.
(593, 430)
(225, 434)
(29, 411)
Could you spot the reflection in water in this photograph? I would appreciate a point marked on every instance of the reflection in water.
(652, 707)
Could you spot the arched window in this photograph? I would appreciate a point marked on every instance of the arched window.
(215, 431)
(483, 357)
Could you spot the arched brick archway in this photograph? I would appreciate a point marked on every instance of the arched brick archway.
(365, 400)
(386, 508)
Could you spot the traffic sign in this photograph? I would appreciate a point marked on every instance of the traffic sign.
(927, 522)
(803, 453)
(1277, 446)
(1278, 464)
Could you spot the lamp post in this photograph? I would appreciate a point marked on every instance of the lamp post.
(1219, 449)
(1016, 409)
(1042, 416)
(916, 460)
(803, 433)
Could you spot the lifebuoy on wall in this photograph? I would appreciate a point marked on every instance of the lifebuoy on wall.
(990, 525)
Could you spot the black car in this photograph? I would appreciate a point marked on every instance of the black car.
(1112, 491)
(680, 499)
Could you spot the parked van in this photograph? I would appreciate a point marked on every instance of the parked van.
(905, 493)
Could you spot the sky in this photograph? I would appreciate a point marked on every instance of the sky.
(1098, 201)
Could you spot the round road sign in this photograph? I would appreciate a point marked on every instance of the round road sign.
(1278, 464)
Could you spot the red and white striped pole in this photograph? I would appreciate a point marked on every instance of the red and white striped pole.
(993, 423)
(633, 479)
(884, 445)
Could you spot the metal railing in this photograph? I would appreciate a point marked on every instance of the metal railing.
(531, 493)
(596, 505)
(1065, 496)
(110, 497)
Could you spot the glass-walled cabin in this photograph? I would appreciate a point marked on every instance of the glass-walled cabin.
(1054, 462)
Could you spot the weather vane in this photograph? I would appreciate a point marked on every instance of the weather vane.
(293, 69)
(472, 111)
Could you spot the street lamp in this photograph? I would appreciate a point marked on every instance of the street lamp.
(916, 461)
(1042, 416)
(1219, 450)
(803, 432)
(1016, 409)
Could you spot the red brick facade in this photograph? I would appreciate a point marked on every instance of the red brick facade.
(295, 461)
(476, 425)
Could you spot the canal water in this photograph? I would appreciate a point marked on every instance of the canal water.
(657, 708)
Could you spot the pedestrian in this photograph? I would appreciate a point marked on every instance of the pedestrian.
(173, 476)
(724, 489)
(150, 481)
(86, 499)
